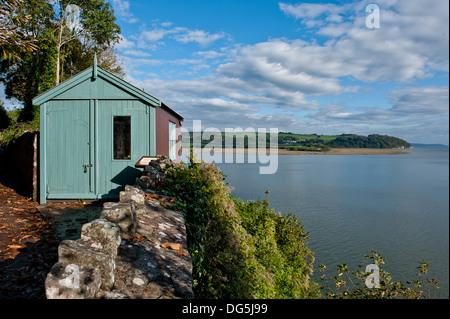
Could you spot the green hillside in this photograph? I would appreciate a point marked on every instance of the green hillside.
(325, 142)
(306, 142)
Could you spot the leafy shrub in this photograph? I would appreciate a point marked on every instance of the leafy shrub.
(280, 243)
(238, 249)
(346, 285)
(15, 127)
(4, 118)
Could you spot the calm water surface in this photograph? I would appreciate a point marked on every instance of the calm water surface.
(397, 205)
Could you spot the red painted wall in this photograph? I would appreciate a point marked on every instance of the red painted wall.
(163, 116)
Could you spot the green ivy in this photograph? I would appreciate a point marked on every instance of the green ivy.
(238, 249)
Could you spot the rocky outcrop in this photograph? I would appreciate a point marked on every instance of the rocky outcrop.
(136, 249)
(152, 175)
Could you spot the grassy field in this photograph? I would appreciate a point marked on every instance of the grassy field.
(292, 136)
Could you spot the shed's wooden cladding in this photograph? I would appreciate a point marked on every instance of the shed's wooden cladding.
(94, 128)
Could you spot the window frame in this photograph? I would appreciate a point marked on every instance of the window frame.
(114, 139)
(173, 141)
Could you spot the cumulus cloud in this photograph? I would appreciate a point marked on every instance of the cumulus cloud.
(180, 34)
(422, 103)
(211, 54)
(136, 53)
(411, 43)
(122, 10)
(279, 82)
(314, 14)
(198, 36)
(154, 35)
(286, 66)
(125, 44)
(411, 108)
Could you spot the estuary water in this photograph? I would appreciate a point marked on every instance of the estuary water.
(397, 205)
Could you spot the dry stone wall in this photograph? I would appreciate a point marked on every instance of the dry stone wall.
(136, 249)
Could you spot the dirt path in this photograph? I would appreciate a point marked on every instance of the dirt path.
(28, 247)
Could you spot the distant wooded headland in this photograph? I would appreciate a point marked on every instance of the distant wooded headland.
(304, 143)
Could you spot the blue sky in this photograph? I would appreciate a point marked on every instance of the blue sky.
(302, 67)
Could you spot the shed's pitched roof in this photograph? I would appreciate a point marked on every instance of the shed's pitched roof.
(164, 106)
(94, 72)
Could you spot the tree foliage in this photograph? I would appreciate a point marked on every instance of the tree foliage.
(90, 23)
(371, 141)
(12, 38)
(62, 49)
(11, 128)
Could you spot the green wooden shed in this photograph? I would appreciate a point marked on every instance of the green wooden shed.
(94, 127)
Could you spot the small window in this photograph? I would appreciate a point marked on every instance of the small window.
(122, 137)
(172, 141)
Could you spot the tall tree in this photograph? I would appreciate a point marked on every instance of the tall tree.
(89, 22)
(78, 58)
(31, 72)
(11, 37)
(64, 45)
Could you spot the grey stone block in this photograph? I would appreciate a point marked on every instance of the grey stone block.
(132, 194)
(122, 214)
(74, 252)
(102, 234)
(72, 281)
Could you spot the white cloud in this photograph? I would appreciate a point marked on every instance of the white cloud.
(122, 10)
(219, 103)
(125, 44)
(334, 30)
(411, 43)
(422, 103)
(180, 34)
(411, 108)
(279, 82)
(315, 15)
(137, 53)
(199, 36)
(154, 35)
(211, 54)
(285, 65)
(310, 10)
